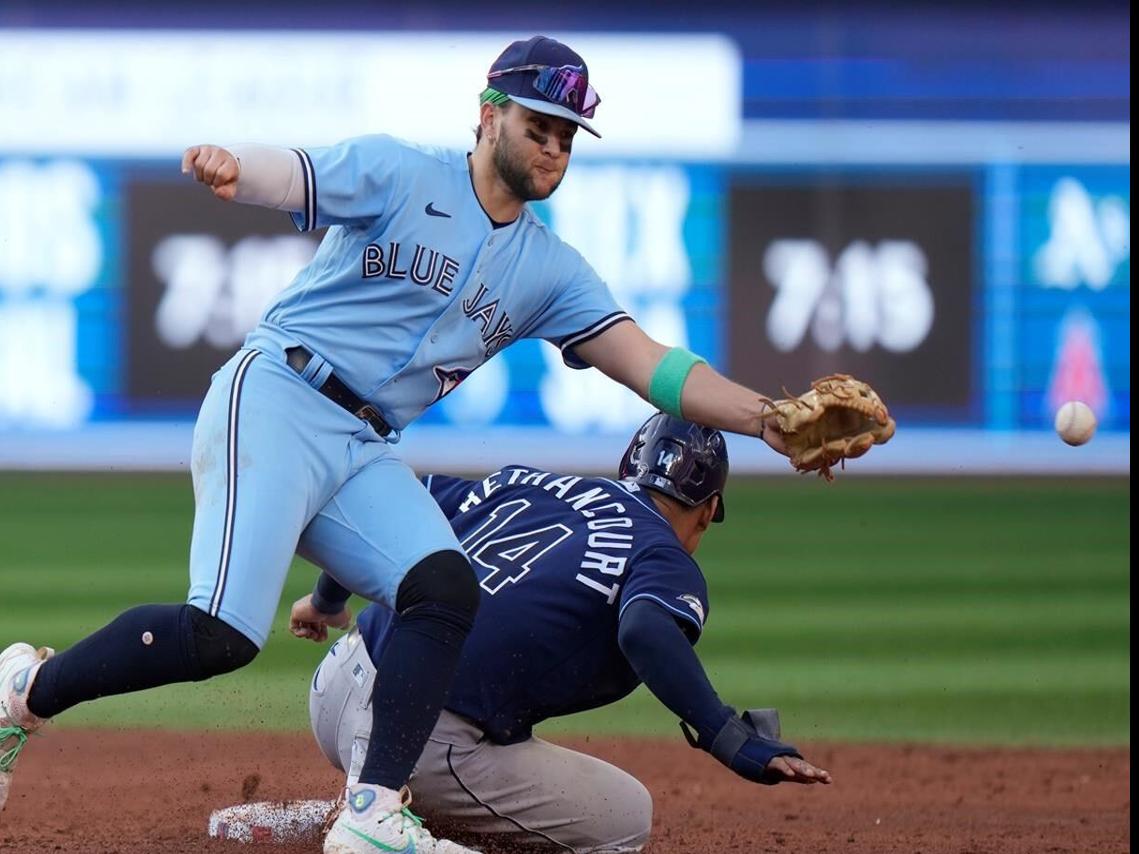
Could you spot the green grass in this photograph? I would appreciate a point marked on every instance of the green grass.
(957, 610)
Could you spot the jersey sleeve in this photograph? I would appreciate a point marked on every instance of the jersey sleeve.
(670, 577)
(348, 183)
(581, 307)
(448, 492)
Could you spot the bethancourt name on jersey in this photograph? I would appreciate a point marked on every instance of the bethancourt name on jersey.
(608, 549)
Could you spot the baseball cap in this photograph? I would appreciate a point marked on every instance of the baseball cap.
(546, 76)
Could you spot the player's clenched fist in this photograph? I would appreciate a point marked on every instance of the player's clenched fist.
(305, 621)
(213, 166)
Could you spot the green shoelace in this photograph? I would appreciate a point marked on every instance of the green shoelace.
(8, 757)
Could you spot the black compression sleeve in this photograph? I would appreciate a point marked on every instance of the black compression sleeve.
(658, 650)
(328, 596)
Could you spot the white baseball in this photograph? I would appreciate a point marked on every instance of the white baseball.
(1075, 422)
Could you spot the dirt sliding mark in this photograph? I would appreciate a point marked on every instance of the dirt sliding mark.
(99, 792)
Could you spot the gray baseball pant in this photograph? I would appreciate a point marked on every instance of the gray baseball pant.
(533, 794)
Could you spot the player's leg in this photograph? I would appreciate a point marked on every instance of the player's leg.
(341, 716)
(340, 704)
(146, 646)
(531, 794)
(383, 536)
(255, 488)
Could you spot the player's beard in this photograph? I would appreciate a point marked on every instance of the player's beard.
(515, 174)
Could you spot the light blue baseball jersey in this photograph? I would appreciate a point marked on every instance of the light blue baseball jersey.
(413, 286)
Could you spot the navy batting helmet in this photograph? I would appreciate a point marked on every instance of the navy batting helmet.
(683, 460)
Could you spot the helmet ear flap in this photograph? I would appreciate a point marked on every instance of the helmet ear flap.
(630, 460)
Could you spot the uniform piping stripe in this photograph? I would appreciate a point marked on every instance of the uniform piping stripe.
(495, 812)
(638, 496)
(310, 189)
(687, 615)
(594, 330)
(230, 480)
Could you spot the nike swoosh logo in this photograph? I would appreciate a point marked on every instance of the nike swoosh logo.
(430, 211)
(408, 848)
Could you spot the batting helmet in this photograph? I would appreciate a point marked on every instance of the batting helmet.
(683, 460)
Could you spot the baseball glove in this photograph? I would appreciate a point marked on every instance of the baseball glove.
(838, 419)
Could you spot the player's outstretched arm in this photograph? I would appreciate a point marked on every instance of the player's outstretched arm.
(660, 653)
(626, 354)
(251, 174)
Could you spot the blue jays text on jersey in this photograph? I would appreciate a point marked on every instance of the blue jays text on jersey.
(559, 558)
(438, 276)
(413, 286)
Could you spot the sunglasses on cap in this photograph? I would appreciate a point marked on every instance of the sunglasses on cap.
(566, 85)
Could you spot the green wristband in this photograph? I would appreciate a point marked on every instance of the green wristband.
(668, 379)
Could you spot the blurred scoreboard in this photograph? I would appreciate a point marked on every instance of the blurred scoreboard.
(871, 274)
(813, 212)
(979, 297)
(983, 296)
(124, 285)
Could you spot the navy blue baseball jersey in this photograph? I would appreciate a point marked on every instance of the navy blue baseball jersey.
(558, 559)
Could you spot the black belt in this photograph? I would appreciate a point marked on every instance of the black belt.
(298, 358)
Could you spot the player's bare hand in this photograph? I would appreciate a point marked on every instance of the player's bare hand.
(213, 166)
(769, 427)
(774, 438)
(797, 770)
(306, 622)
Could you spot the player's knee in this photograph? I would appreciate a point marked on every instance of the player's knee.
(219, 647)
(624, 817)
(636, 824)
(443, 579)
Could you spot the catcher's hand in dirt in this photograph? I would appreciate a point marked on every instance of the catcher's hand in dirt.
(840, 418)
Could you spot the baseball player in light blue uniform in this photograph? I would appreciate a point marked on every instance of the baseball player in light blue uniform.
(431, 265)
(453, 290)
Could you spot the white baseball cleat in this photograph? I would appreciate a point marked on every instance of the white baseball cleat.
(377, 819)
(18, 666)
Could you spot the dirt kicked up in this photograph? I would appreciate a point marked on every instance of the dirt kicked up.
(103, 791)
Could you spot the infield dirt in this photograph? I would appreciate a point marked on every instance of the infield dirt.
(104, 791)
